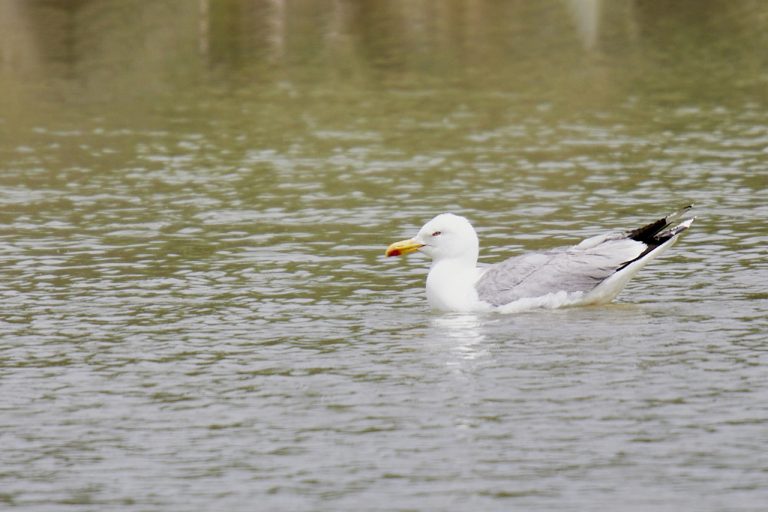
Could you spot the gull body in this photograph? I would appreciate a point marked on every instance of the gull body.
(592, 272)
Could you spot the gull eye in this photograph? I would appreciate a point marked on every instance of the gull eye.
(437, 233)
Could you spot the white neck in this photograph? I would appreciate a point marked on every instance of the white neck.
(451, 284)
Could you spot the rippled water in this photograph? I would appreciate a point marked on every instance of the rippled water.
(197, 313)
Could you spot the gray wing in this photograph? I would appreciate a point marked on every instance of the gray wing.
(574, 269)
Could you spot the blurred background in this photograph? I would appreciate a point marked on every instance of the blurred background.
(588, 50)
(377, 99)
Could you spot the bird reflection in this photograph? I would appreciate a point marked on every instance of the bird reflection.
(462, 335)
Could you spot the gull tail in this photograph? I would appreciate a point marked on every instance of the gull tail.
(657, 236)
(657, 232)
(660, 234)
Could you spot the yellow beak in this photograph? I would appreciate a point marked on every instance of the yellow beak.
(403, 247)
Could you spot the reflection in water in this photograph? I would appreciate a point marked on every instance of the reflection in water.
(586, 15)
(462, 335)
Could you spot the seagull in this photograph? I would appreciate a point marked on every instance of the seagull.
(592, 272)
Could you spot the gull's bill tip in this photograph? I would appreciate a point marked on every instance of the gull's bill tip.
(403, 247)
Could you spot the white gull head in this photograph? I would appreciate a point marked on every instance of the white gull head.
(449, 236)
(452, 243)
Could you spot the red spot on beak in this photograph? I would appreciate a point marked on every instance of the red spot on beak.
(403, 247)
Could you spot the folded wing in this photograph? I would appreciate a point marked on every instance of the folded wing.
(579, 268)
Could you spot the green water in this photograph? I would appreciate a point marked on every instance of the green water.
(196, 312)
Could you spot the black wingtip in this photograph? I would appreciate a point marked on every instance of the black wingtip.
(649, 234)
(657, 233)
(646, 233)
